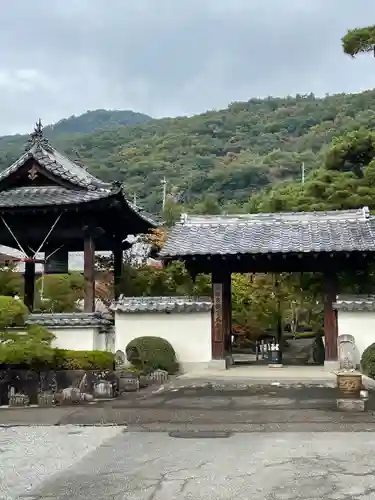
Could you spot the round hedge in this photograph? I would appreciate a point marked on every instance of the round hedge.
(152, 353)
(368, 361)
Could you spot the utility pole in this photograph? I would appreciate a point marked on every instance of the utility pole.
(303, 172)
(164, 184)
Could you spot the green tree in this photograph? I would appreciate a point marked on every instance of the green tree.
(359, 41)
(209, 206)
(172, 211)
(59, 292)
(259, 301)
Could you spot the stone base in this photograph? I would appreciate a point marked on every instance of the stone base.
(275, 366)
(217, 364)
(351, 405)
(331, 366)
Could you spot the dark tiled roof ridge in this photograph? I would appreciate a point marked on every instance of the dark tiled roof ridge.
(355, 303)
(165, 298)
(264, 217)
(70, 319)
(347, 298)
(178, 304)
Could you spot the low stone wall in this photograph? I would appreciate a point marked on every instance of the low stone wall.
(26, 387)
(66, 386)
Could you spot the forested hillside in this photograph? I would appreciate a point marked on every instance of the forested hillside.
(226, 154)
(100, 119)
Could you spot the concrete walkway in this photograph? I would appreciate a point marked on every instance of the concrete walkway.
(250, 375)
(255, 375)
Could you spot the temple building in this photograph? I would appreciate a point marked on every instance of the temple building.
(52, 205)
(318, 242)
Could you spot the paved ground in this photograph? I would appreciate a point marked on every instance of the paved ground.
(196, 442)
(279, 466)
(30, 455)
(226, 407)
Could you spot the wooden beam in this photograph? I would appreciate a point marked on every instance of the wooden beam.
(309, 262)
(89, 274)
(117, 269)
(29, 285)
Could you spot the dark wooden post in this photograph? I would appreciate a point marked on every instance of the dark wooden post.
(221, 296)
(29, 285)
(330, 318)
(117, 269)
(227, 296)
(89, 274)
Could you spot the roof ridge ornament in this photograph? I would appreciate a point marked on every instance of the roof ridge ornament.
(117, 187)
(37, 138)
(183, 218)
(366, 212)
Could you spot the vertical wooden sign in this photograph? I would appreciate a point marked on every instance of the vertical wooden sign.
(218, 326)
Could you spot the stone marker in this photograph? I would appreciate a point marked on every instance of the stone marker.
(159, 376)
(46, 399)
(103, 389)
(71, 395)
(19, 400)
(351, 405)
(128, 382)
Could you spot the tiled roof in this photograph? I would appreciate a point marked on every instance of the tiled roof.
(57, 164)
(162, 304)
(355, 303)
(85, 187)
(44, 196)
(40, 196)
(346, 230)
(69, 319)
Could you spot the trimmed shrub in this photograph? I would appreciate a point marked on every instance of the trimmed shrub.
(368, 361)
(28, 349)
(13, 312)
(65, 359)
(152, 353)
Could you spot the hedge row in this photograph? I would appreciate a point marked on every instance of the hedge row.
(65, 359)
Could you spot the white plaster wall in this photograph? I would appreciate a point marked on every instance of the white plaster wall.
(80, 339)
(360, 324)
(188, 333)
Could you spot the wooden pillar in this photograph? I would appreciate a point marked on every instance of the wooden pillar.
(89, 274)
(330, 318)
(117, 270)
(29, 285)
(227, 296)
(220, 333)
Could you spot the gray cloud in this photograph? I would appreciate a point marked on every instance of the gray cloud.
(171, 57)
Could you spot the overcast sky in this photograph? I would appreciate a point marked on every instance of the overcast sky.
(171, 57)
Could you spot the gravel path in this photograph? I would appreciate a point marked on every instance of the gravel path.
(30, 455)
